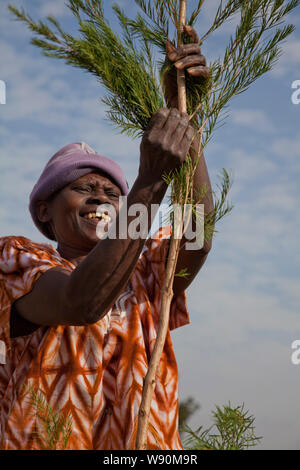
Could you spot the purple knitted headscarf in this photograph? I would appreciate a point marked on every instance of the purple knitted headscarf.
(67, 165)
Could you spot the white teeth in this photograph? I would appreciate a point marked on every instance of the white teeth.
(101, 216)
(105, 217)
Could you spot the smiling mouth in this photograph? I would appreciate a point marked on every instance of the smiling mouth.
(94, 219)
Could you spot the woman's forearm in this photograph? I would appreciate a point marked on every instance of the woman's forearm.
(201, 180)
(192, 260)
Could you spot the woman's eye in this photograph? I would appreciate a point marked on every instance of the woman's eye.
(82, 188)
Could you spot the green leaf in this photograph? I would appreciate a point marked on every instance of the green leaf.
(183, 273)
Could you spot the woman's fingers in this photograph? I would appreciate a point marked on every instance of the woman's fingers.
(189, 61)
(185, 57)
(164, 147)
(178, 132)
(181, 127)
(189, 30)
(174, 53)
(158, 120)
(172, 122)
(182, 51)
(169, 47)
(188, 137)
(200, 71)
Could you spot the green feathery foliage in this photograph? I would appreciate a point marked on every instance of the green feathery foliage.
(221, 207)
(234, 430)
(125, 67)
(252, 51)
(181, 184)
(56, 426)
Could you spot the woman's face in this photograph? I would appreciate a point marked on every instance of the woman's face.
(69, 211)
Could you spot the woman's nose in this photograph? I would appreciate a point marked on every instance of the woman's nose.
(98, 199)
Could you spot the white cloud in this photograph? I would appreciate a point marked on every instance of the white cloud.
(277, 197)
(248, 166)
(54, 7)
(290, 59)
(255, 119)
(208, 12)
(246, 304)
(288, 149)
(253, 230)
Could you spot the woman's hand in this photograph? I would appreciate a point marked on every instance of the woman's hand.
(165, 144)
(186, 57)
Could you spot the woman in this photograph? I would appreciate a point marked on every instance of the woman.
(78, 323)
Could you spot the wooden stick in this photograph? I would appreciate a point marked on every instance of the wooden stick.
(150, 382)
(167, 290)
(180, 73)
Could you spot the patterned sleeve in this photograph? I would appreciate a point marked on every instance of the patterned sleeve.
(21, 264)
(155, 252)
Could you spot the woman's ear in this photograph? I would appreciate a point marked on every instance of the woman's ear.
(42, 211)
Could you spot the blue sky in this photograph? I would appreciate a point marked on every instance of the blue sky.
(244, 304)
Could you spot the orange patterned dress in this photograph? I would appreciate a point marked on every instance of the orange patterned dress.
(93, 373)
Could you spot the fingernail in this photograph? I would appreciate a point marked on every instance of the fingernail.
(172, 56)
